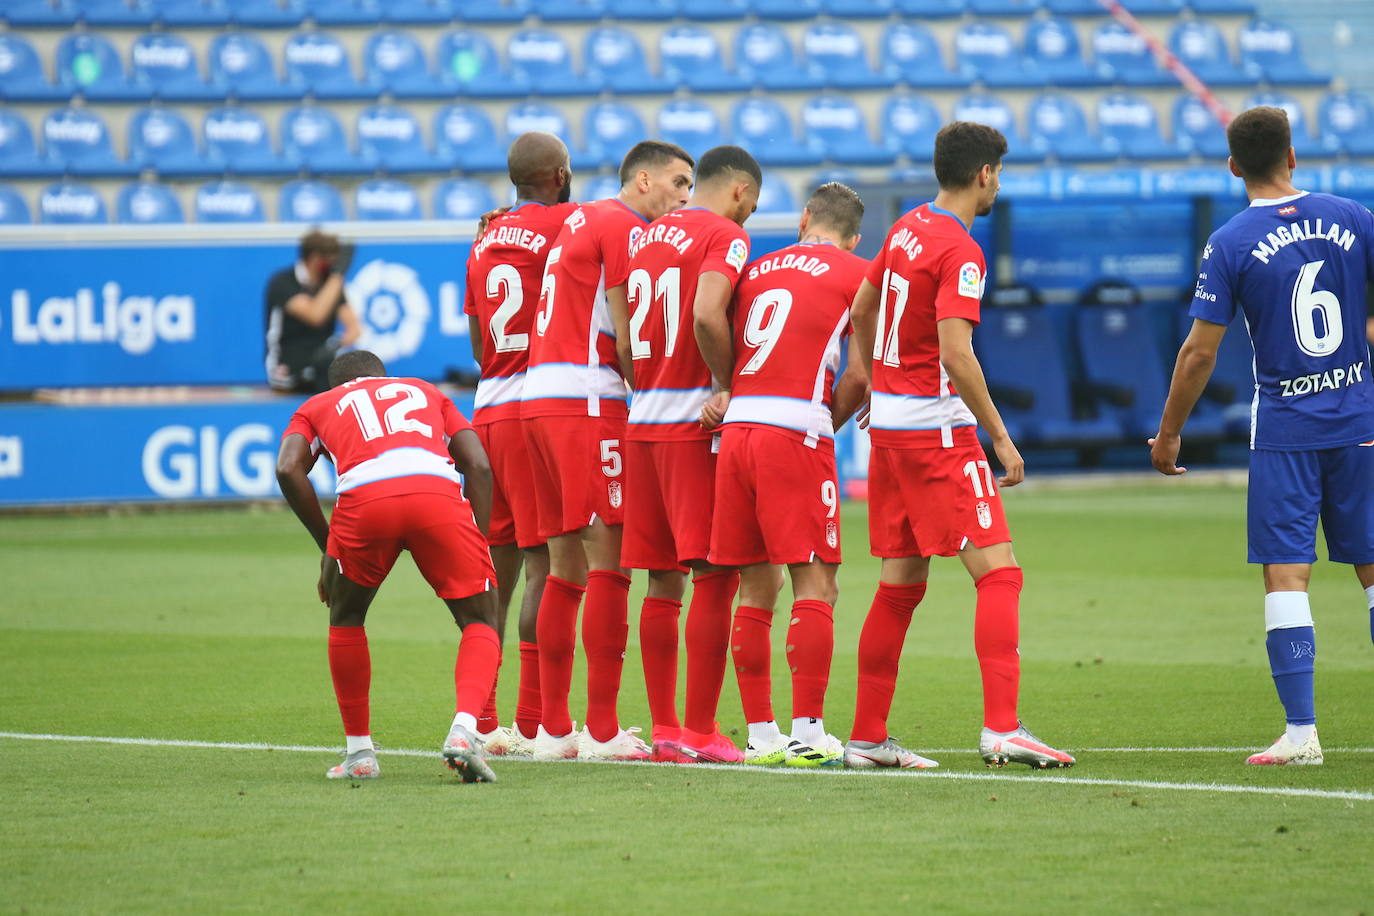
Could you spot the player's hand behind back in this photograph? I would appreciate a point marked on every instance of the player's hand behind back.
(1164, 454)
(329, 574)
(713, 412)
(1013, 465)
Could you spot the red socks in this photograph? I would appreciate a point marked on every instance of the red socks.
(605, 629)
(880, 648)
(474, 670)
(528, 705)
(489, 720)
(350, 667)
(557, 632)
(810, 646)
(996, 633)
(752, 650)
(658, 647)
(708, 644)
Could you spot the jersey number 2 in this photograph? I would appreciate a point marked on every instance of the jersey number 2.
(504, 281)
(396, 418)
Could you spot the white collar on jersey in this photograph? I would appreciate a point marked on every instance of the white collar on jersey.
(1275, 201)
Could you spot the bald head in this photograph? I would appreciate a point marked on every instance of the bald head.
(539, 168)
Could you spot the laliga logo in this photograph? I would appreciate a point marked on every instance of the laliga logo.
(180, 462)
(394, 308)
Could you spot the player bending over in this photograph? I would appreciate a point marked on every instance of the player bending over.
(395, 443)
(775, 478)
(574, 416)
(504, 273)
(1297, 265)
(931, 489)
(682, 273)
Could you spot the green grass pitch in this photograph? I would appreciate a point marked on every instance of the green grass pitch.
(1141, 631)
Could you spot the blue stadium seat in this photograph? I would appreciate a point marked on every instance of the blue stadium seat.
(785, 9)
(691, 56)
(88, 64)
(708, 10)
(826, 176)
(310, 201)
(1305, 146)
(79, 139)
(987, 53)
(764, 57)
(931, 9)
(394, 62)
(776, 196)
(165, 67)
(647, 10)
(420, 12)
(1222, 7)
(38, 13)
(615, 61)
(13, 210)
(542, 58)
(994, 112)
(1051, 47)
(466, 62)
(318, 63)
(386, 199)
(911, 55)
(113, 13)
(162, 140)
(839, 53)
(21, 73)
(147, 202)
(836, 126)
(570, 10)
(858, 9)
(1128, 56)
(390, 139)
(1056, 126)
(1076, 7)
(1003, 8)
(489, 12)
(611, 128)
(240, 67)
(18, 153)
(344, 12)
(190, 13)
(763, 128)
(312, 139)
(227, 201)
(465, 138)
(462, 198)
(1154, 7)
(271, 14)
(1197, 130)
(1200, 45)
(1348, 118)
(528, 116)
(600, 187)
(237, 140)
(1273, 49)
(1129, 127)
(910, 123)
(71, 202)
(691, 124)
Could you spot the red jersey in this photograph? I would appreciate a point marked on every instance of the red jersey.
(791, 313)
(386, 436)
(573, 369)
(671, 379)
(929, 268)
(504, 272)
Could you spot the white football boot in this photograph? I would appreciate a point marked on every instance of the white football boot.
(507, 742)
(357, 765)
(1020, 746)
(864, 755)
(1284, 752)
(463, 752)
(626, 745)
(549, 747)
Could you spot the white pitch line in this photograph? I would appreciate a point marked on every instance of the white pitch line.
(1346, 795)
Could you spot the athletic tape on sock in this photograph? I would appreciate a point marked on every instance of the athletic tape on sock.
(1285, 610)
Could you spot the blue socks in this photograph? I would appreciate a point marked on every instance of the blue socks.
(1292, 659)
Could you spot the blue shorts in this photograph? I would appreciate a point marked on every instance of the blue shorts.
(1290, 490)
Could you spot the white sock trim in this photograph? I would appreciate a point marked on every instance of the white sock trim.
(467, 720)
(1286, 610)
(358, 743)
(761, 733)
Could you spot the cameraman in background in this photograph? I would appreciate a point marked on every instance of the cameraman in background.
(305, 303)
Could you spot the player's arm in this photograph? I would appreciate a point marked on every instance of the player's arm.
(852, 390)
(618, 303)
(1196, 360)
(863, 314)
(318, 309)
(471, 460)
(711, 323)
(294, 461)
(964, 370)
(352, 327)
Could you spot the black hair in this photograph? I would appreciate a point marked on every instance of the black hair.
(355, 364)
(962, 148)
(317, 242)
(650, 154)
(1259, 139)
(722, 160)
(837, 206)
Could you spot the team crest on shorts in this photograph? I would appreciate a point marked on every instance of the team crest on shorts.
(832, 534)
(984, 516)
(613, 493)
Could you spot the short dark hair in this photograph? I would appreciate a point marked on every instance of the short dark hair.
(721, 160)
(962, 148)
(318, 242)
(837, 206)
(652, 154)
(355, 364)
(1259, 139)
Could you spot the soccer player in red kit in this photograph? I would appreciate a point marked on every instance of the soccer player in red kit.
(397, 445)
(775, 477)
(931, 490)
(682, 274)
(574, 415)
(504, 272)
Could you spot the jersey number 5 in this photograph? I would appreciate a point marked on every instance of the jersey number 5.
(1308, 305)
(397, 417)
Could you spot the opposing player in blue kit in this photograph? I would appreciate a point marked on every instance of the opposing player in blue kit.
(1296, 264)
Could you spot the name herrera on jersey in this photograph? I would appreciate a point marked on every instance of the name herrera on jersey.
(511, 235)
(1298, 232)
(1329, 380)
(805, 263)
(665, 233)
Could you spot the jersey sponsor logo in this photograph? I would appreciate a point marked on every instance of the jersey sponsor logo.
(971, 281)
(135, 323)
(11, 456)
(393, 307)
(1288, 210)
(738, 254)
(180, 462)
(984, 515)
(1329, 380)
(1307, 230)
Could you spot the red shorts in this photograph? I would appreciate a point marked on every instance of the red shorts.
(670, 495)
(578, 471)
(932, 501)
(514, 517)
(782, 504)
(439, 531)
